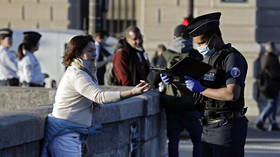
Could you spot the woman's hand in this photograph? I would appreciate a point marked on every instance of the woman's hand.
(140, 88)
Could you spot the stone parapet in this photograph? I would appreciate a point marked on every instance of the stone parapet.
(137, 120)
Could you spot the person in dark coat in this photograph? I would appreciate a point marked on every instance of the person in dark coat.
(180, 113)
(102, 55)
(129, 64)
(270, 65)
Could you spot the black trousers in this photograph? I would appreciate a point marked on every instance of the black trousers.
(226, 138)
(176, 123)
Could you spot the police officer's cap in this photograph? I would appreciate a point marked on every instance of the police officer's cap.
(6, 32)
(31, 36)
(204, 23)
(181, 31)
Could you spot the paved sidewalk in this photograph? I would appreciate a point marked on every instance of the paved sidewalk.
(259, 143)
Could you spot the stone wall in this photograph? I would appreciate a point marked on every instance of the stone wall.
(43, 14)
(21, 132)
(16, 98)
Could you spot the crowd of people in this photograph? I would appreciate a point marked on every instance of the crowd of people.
(210, 108)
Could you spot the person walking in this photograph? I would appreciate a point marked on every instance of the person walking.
(8, 61)
(220, 91)
(129, 63)
(270, 67)
(29, 68)
(77, 95)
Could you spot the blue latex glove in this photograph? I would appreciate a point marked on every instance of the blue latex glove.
(166, 79)
(194, 85)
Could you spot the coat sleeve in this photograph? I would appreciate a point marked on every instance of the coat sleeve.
(120, 67)
(84, 85)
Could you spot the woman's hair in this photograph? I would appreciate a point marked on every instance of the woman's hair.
(75, 48)
(25, 45)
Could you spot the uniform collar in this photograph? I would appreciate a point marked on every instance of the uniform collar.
(2, 48)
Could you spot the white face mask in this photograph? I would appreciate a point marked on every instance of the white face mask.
(205, 51)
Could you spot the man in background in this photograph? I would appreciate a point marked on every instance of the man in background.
(129, 64)
(102, 55)
(181, 113)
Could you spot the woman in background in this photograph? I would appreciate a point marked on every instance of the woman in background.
(77, 95)
(29, 69)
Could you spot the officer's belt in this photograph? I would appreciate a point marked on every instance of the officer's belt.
(217, 117)
(211, 121)
(224, 114)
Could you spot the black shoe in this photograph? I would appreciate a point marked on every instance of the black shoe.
(274, 127)
(260, 127)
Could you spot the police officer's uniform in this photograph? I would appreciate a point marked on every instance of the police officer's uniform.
(29, 68)
(8, 63)
(224, 123)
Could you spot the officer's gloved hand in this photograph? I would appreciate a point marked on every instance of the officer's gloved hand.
(193, 85)
(166, 79)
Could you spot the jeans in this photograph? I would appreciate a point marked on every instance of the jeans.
(176, 122)
(68, 145)
(269, 111)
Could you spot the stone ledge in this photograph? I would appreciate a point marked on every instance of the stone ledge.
(27, 126)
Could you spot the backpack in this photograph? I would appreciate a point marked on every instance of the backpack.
(109, 76)
(176, 97)
(267, 86)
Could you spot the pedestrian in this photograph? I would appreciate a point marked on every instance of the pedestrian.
(77, 95)
(153, 76)
(258, 97)
(102, 55)
(160, 49)
(8, 61)
(270, 71)
(220, 91)
(180, 113)
(29, 68)
(129, 63)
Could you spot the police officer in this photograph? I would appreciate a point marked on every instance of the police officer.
(29, 68)
(220, 91)
(8, 62)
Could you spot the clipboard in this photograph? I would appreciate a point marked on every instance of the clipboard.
(193, 68)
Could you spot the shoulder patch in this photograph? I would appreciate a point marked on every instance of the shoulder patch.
(235, 72)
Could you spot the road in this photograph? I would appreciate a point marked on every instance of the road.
(258, 143)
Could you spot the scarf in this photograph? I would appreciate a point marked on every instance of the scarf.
(87, 67)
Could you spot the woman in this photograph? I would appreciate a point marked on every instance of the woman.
(29, 69)
(8, 62)
(76, 96)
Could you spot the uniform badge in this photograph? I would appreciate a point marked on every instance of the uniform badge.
(235, 72)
